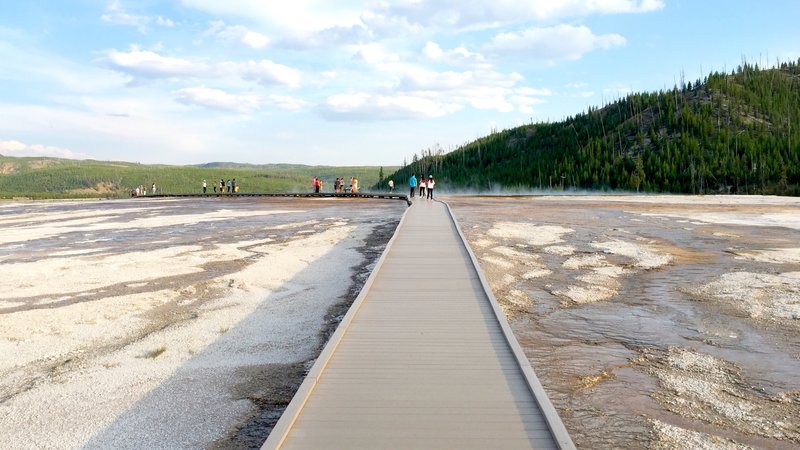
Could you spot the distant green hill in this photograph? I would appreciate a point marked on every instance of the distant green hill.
(37, 177)
(728, 133)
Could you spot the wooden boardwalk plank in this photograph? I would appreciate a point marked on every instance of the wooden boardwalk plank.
(422, 359)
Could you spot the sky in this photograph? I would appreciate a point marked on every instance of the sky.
(345, 82)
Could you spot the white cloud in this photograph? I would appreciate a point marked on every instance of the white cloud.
(422, 79)
(116, 14)
(17, 148)
(238, 33)
(419, 93)
(410, 85)
(143, 64)
(304, 24)
(288, 103)
(459, 56)
(218, 99)
(297, 16)
(255, 40)
(321, 23)
(525, 98)
(547, 10)
(385, 25)
(164, 22)
(266, 72)
(328, 38)
(432, 50)
(561, 42)
(375, 54)
(365, 107)
(312, 23)
(494, 99)
(148, 64)
(466, 14)
(241, 103)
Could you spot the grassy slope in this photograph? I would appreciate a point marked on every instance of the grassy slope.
(62, 178)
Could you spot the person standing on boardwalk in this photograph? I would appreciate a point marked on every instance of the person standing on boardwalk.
(391, 186)
(228, 185)
(431, 184)
(355, 184)
(154, 189)
(204, 186)
(221, 185)
(422, 186)
(412, 184)
(315, 185)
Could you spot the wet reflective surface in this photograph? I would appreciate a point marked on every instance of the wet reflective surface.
(660, 349)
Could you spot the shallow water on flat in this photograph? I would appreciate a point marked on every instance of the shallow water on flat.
(638, 324)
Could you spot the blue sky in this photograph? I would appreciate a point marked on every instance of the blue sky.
(345, 82)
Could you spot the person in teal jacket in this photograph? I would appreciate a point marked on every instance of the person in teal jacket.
(412, 183)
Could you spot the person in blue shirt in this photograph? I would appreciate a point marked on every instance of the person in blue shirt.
(412, 183)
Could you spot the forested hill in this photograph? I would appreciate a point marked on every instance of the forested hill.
(729, 133)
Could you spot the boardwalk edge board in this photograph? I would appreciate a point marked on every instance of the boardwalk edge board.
(281, 430)
(557, 427)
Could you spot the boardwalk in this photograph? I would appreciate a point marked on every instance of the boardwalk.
(379, 195)
(421, 359)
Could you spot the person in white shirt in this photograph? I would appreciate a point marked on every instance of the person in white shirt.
(430, 185)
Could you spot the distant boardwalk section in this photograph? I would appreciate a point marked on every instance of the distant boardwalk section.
(423, 359)
(383, 195)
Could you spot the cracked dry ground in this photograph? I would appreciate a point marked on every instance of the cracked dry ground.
(652, 323)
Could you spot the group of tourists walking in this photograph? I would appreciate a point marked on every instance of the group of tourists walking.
(142, 190)
(340, 185)
(424, 186)
(222, 187)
